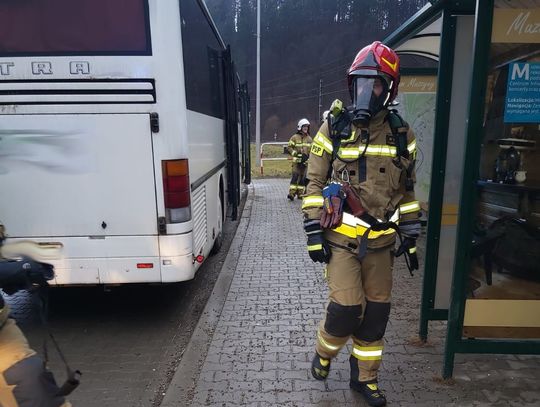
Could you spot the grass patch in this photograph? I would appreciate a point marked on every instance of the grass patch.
(271, 169)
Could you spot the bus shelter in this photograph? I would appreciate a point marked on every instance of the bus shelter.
(482, 264)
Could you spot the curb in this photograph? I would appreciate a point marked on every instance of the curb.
(182, 386)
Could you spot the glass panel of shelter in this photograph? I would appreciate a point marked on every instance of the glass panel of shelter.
(503, 285)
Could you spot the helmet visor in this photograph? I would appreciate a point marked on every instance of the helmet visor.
(370, 93)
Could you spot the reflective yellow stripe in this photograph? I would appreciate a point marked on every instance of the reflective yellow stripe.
(314, 247)
(324, 142)
(348, 153)
(326, 344)
(312, 201)
(374, 150)
(409, 207)
(412, 147)
(367, 353)
(412, 250)
(353, 227)
(380, 150)
(350, 138)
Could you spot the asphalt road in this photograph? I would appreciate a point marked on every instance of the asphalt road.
(127, 340)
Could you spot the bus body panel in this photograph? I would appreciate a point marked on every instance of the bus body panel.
(106, 212)
(72, 175)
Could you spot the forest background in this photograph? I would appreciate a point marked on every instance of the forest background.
(306, 48)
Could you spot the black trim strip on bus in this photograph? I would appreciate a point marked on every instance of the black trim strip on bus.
(53, 92)
(89, 102)
(207, 176)
(146, 52)
(69, 80)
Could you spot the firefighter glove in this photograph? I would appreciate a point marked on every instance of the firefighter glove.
(408, 248)
(410, 229)
(318, 248)
(333, 198)
(304, 158)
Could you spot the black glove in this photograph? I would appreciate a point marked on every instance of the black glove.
(408, 247)
(318, 249)
(23, 275)
(304, 158)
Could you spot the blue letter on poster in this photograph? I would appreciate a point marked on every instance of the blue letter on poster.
(523, 93)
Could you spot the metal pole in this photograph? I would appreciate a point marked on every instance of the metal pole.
(320, 98)
(473, 140)
(436, 191)
(258, 100)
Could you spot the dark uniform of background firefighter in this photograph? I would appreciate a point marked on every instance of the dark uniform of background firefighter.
(298, 147)
(361, 177)
(24, 380)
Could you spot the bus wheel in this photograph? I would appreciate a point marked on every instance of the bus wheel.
(218, 242)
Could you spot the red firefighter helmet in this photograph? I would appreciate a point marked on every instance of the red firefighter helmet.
(380, 60)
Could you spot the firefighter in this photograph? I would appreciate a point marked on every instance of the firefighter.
(24, 379)
(361, 186)
(298, 147)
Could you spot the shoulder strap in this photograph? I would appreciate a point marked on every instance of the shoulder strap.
(399, 128)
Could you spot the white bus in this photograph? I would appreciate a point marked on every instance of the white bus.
(119, 135)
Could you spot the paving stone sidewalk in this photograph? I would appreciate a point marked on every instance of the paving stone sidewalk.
(263, 342)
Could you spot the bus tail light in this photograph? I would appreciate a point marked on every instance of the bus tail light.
(176, 190)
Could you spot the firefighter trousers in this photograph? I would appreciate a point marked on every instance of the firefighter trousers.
(298, 180)
(24, 380)
(358, 308)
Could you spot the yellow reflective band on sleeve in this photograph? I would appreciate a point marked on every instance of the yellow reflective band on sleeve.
(325, 344)
(312, 201)
(324, 142)
(409, 207)
(412, 250)
(367, 352)
(314, 247)
(412, 147)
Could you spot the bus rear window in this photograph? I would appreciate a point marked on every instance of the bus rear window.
(74, 27)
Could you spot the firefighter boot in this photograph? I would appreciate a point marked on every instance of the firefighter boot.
(290, 197)
(370, 391)
(320, 367)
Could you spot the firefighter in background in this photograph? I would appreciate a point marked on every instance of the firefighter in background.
(24, 379)
(298, 147)
(361, 186)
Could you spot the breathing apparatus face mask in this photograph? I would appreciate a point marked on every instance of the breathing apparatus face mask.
(370, 94)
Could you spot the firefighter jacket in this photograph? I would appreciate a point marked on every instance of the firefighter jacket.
(368, 160)
(299, 144)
